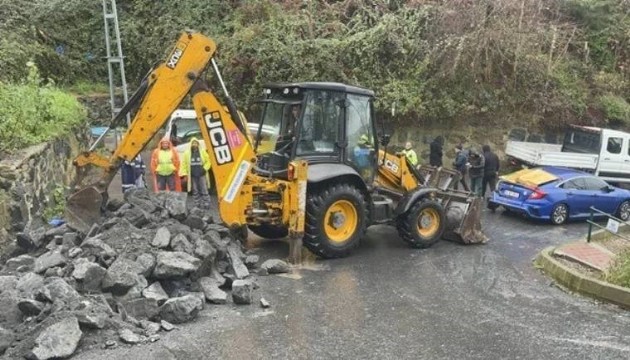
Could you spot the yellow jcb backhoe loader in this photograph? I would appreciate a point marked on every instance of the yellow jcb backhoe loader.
(323, 180)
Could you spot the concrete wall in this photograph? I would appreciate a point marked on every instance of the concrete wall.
(28, 178)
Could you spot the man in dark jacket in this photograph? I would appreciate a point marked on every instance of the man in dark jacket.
(477, 164)
(461, 161)
(435, 155)
(490, 169)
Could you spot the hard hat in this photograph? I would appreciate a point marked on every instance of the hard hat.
(364, 139)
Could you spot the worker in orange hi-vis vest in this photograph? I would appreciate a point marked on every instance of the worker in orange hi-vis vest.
(165, 167)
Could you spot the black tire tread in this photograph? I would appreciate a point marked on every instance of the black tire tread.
(406, 225)
(316, 202)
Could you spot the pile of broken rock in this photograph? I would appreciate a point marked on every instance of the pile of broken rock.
(151, 263)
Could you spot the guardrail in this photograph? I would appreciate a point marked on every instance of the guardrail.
(611, 227)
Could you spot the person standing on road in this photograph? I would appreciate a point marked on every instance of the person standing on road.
(461, 161)
(435, 154)
(195, 167)
(132, 174)
(165, 166)
(490, 170)
(410, 154)
(477, 163)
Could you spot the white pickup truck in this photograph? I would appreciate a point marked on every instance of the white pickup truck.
(602, 152)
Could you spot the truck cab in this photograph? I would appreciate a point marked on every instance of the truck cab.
(602, 152)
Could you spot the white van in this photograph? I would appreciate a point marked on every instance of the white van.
(181, 128)
(602, 152)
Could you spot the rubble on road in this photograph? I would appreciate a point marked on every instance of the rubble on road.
(149, 264)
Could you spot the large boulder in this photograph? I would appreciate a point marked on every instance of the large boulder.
(89, 275)
(49, 260)
(142, 308)
(23, 262)
(210, 288)
(146, 264)
(242, 292)
(175, 204)
(59, 340)
(180, 243)
(30, 307)
(240, 270)
(121, 276)
(29, 284)
(156, 292)
(174, 264)
(99, 249)
(6, 338)
(8, 283)
(181, 309)
(162, 238)
(57, 291)
(275, 266)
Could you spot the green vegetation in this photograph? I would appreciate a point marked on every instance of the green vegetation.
(57, 204)
(619, 273)
(31, 113)
(491, 62)
(83, 87)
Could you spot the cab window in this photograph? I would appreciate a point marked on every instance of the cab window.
(614, 145)
(320, 124)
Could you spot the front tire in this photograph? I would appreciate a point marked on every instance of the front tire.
(336, 219)
(624, 211)
(559, 214)
(423, 225)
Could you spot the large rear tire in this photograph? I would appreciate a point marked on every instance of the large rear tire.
(336, 219)
(267, 231)
(423, 225)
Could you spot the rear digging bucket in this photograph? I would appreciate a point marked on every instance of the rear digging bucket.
(83, 208)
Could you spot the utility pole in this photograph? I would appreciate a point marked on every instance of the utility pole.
(115, 61)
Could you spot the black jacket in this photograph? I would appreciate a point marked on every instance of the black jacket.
(435, 154)
(491, 167)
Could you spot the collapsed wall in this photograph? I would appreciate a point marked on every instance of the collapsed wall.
(29, 178)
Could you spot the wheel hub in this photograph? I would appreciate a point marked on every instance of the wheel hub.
(426, 221)
(337, 219)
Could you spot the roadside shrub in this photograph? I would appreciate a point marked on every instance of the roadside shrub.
(616, 108)
(619, 273)
(31, 113)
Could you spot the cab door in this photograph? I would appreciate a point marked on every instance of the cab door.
(361, 147)
(612, 156)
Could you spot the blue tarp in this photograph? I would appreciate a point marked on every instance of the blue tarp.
(98, 130)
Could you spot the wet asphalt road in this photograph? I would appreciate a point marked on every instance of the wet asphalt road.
(388, 301)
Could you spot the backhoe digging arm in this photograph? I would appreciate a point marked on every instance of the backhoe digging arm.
(159, 95)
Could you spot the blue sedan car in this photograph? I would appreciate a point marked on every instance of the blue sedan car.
(558, 194)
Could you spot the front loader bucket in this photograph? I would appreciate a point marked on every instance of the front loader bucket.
(462, 208)
(463, 220)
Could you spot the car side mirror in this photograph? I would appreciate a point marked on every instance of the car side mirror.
(385, 139)
(608, 189)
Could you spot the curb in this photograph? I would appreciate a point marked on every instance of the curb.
(582, 284)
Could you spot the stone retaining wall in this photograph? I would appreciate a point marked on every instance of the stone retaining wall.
(29, 177)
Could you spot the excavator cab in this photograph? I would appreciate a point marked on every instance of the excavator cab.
(322, 123)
